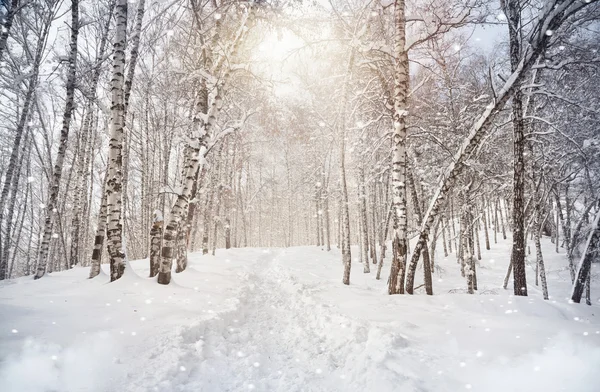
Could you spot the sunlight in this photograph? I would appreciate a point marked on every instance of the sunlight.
(278, 47)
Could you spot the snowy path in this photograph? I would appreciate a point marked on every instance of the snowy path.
(279, 339)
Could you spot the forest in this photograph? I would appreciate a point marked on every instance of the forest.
(388, 155)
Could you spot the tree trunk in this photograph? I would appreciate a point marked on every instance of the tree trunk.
(7, 24)
(540, 257)
(115, 155)
(401, 83)
(513, 13)
(62, 148)
(155, 239)
(417, 207)
(592, 249)
(485, 226)
(363, 237)
(383, 239)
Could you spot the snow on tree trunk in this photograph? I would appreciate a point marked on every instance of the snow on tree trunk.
(7, 24)
(540, 257)
(155, 240)
(485, 225)
(373, 226)
(115, 154)
(592, 249)
(100, 233)
(362, 200)
(513, 13)
(54, 186)
(419, 214)
(383, 238)
(399, 240)
(344, 212)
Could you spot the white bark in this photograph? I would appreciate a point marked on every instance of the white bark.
(115, 155)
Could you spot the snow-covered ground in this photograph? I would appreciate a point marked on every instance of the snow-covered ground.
(280, 320)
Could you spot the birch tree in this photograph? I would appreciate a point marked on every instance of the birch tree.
(64, 137)
(114, 199)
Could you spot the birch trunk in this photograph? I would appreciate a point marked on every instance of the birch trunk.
(513, 13)
(100, 233)
(7, 24)
(155, 239)
(345, 214)
(362, 199)
(417, 208)
(485, 225)
(539, 255)
(444, 226)
(115, 155)
(592, 249)
(62, 147)
(399, 240)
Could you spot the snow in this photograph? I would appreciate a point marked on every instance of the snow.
(280, 320)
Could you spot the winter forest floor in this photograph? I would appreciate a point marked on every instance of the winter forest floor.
(280, 320)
